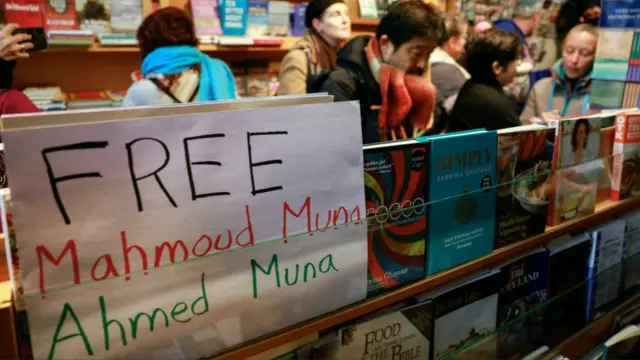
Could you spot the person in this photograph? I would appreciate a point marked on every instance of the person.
(446, 74)
(328, 27)
(567, 92)
(580, 151)
(492, 60)
(13, 47)
(574, 12)
(386, 73)
(173, 69)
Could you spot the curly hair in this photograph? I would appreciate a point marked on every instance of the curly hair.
(165, 27)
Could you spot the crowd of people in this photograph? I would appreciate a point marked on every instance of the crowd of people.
(423, 72)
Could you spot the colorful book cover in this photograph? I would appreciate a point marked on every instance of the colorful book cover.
(606, 94)
(94, 15)
(577, 168)
(523, 174)
(462, 174)
(298, 27)
(278, 14)
(631, 96)
(395, 179)
(611, 69)
(523, 288)
(257, 18)
(465, 315)
(605, 265)
(621, 14)
(126, 16)
(568, 268)
(26, 13)
(402, 334)
(368, 9)
(614, 44)
(632, 251)
(60, 15)
(205, 17)
(625, 179)
(233, 17)
(606, 146)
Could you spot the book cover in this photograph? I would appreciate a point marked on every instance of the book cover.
(233, 17)
(368, 9)
(94, 15)
(631, 96)
(621, 14)
(278, 18)
(461, 181)
(614, 44)
(577, 168)
(611, 69)
(523, 288)
(606, 94)
(205, 17)
(625, 180)
(395, 179)
(607, 135)
(605, 265)
(26, 13)
(523, 174)
(60, 15)
(257, 18)
(631, 266)
(402, 334)
(298, 27)
(466, 315)
(126, 16)
(568, 270)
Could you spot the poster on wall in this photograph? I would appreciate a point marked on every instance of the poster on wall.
(178, 236)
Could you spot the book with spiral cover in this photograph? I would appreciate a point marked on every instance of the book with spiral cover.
(395, 178)
(462, 172)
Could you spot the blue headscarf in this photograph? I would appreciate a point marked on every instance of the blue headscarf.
(216, 79)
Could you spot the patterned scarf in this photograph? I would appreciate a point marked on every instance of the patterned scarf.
(407, 100)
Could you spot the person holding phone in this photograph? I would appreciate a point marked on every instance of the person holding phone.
(13, 46)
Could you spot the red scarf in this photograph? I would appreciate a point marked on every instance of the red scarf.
(407, 100)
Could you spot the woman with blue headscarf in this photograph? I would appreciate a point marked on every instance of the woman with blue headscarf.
(173, 69)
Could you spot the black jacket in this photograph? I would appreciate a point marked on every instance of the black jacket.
(482, 105)
(448, 80)
(353, 80)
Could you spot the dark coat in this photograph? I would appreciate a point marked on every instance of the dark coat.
(482, 105)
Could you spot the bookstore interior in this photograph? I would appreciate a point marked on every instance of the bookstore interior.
(483, 210)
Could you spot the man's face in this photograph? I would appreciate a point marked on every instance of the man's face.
(578, 53)
(412, 56)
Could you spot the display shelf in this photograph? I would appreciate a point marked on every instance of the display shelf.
(605, 211)
(591, 336)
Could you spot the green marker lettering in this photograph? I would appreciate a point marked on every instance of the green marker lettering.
(67, 309)
(331, 266)
(306, 268)
(272, 264)
(286, 276)
(106, 323)
(201, 298)
(151, 318)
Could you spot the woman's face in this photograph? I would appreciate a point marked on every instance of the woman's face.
(578, 53)
(581, 135)
(335, 24)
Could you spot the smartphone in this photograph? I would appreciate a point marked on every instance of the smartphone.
(38, 38)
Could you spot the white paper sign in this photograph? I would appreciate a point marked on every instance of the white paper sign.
(135, 235)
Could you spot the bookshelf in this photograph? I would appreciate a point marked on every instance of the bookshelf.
(605, 211)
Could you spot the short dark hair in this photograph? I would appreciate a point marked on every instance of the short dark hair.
(168, 26)
(490, 46)
(408, 19)
(574, 133)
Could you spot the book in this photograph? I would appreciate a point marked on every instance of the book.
(566, 291)
(462, 172)
(626, 156)
(631, 270)
(368, 9)
(233, 17)
(60, 15)
(523, 288)
(605, 265)
(126, 16)
(26, 13)
(205, 17)
(298, 27)
(606, 94)
(401, 334)
(395, 178)
(576, 168)
(257, 18)
(278, 18)
(465, 314)
(523, 178)
(94, 15)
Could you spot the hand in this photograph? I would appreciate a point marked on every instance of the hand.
(13, 47)
(550, 115)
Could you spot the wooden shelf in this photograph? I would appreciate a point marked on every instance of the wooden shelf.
(606, 210)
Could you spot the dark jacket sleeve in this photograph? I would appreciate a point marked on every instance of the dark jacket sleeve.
(340, 85)
(448, 80)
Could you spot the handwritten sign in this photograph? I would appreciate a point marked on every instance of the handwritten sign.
(163, 236)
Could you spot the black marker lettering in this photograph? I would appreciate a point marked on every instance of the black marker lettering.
(262, 163)
(54, 180)
(192, 185)
(135, 179)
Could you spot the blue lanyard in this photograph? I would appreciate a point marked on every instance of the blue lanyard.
(585, 102)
